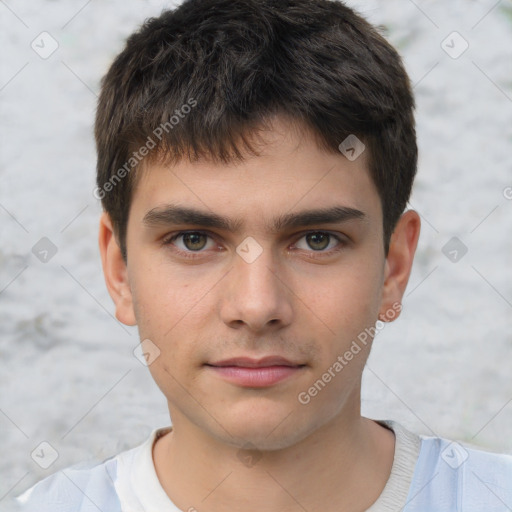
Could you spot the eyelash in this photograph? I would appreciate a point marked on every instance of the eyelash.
(167, 241)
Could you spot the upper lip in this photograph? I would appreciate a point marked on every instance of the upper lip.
(248, 362)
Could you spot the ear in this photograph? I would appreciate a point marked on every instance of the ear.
(115, 272)
(399, 264)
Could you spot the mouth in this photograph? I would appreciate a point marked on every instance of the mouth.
(255, 373)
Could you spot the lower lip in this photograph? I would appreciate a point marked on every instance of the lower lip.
(255, 377)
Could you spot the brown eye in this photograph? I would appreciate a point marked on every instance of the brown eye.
(321, 243)
(318, 241)
(194, 241)
(190, 241)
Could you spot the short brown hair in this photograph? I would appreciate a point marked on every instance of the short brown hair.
(198, 80)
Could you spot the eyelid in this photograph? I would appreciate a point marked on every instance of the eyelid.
(169, 238)
(335, 234)
(342, 240)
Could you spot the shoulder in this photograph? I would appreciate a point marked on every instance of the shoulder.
(74, 489)
(456, 476)
(89, 487)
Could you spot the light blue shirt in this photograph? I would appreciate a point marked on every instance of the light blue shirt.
(429, 474)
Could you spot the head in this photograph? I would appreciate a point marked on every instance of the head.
(235, 120)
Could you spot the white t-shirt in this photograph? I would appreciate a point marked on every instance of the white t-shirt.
(429, 474)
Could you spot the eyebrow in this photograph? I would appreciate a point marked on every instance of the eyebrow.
(170, 214)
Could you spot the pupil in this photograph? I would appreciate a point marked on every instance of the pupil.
(192, 240)
(315, 239)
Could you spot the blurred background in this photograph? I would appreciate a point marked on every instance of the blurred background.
(68, 374)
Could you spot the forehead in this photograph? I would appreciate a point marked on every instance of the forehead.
(290, 173)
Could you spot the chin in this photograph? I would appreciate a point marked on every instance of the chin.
(265, 430)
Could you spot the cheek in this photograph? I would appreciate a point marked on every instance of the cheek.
(346, 301)
(162, 296)
(170, 306)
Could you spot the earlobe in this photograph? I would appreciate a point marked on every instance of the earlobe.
(399, 264)
(115, 272)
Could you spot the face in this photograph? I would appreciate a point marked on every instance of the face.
(252, 281)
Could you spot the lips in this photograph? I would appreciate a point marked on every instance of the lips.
(255, 373)
(247, 362)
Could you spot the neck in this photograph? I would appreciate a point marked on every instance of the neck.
(342, 466)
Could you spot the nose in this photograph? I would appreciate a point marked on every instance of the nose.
(256, 295)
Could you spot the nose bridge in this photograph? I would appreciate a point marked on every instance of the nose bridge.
(255, 294)
(253, 269)
(256, 276)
